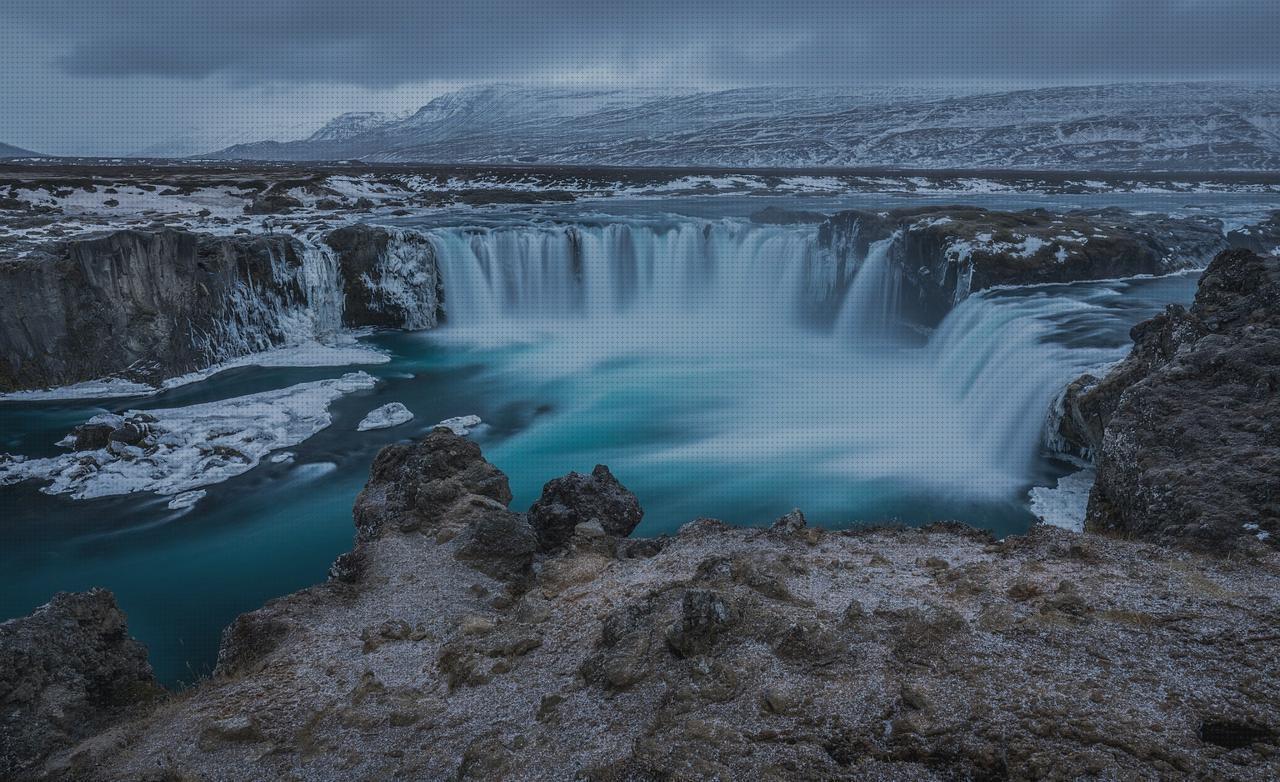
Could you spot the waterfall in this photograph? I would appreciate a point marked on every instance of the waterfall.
(323, 287)
(870, 307)
(801, 342)
(741, 271)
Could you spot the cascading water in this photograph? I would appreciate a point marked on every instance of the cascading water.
(761, 365)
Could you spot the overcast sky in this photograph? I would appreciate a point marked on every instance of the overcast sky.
(112, 76)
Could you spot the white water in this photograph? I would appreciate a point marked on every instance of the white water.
(725, 335)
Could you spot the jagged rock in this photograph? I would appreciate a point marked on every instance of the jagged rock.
(623, 651)
(1123, 661)
(704, 615)
(578, 499)
(95, 433)
(1262, 238)
(788, 525)
(415, 486)
(248, 640)
(67, 671)
(1089, 402)
(1191, 451)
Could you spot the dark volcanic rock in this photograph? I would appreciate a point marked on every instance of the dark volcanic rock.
(500, 544)
(142, 304)
(776, 215)
(578, 499)
(416, 486)
(1263, 238)
(390, 277)
(272, 204)
(704, 616)
(1191, 449)
(1089, 402)
(66, 672)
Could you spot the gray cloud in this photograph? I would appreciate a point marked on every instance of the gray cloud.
(383, 43)
(111, 76)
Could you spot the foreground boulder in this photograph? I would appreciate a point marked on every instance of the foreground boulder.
(583, 499)
(1184, 431)
(66, 672)
(720, 653)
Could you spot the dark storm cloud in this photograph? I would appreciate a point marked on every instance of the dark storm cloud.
(383, 43)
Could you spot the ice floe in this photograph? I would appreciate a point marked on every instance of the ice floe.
(182, 449)
(385, 417)
(460, 425)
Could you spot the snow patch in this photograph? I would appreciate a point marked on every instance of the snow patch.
(107, 388)
(190, 447)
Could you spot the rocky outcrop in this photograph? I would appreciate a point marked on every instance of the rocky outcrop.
(576, 499)
(1262, 238)
(66, 672)
(143, 305)
(390, 277)
(721, 653)
(944, 254)
(1183, 430)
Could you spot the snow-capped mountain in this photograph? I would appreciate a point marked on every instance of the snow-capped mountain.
(354, 123)
(1196, 126)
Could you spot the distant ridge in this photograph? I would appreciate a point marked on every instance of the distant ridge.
(10, 151)
(1178, 127)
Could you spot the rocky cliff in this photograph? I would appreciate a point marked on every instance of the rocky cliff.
(143, 305)
(463, 640)
(146, 305)
(1184, 431)
(943, 254)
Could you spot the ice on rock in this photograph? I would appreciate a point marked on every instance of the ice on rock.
(190, 447)
(460, 425)
(385, 417)
(1065, 504)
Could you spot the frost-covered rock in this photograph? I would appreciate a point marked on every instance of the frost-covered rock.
(944, 254)
(176, 450)
(173, 301)
(724, 652)
(390, 276)
(385, 417)
(68, 670)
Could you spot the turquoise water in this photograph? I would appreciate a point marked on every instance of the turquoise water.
(711, 406)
